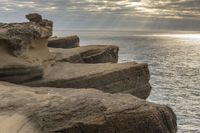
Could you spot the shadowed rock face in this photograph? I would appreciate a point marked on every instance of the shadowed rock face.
(87, 54)
(64, 42)
(53, 110)
(20, 74)
(34, 17)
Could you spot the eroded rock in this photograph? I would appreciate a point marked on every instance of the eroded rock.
(23, 49)
(34, 17)
(53, 110)
(88, 54)
(25, 44)
(18, 38)
(64, 42)
(110, 77)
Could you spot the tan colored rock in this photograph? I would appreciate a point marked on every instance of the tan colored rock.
(19, 38)
(53, 110)
(88, 54)
(24, 51)
(64, 42)
(109, 77)
(24, 55)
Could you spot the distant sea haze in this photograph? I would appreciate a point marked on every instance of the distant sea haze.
(174, 63)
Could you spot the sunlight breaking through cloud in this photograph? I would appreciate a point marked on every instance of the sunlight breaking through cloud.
(158, 8)
(109, 13)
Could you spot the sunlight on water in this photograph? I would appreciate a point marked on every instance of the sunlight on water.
(181, 36)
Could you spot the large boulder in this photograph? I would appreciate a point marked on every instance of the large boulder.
(64, 42)
(87, 54)
(110, 77)
(53, 110)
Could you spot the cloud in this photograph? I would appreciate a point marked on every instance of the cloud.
(100, 12)
(159, 8)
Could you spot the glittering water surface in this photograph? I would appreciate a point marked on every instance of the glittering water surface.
(174, 63)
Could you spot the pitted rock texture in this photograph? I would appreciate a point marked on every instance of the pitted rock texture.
(17, 38)
(53, 110)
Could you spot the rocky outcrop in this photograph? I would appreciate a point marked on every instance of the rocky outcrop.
(53, 110)
(18, 38)
(64, 42)
(125, 78)
(25, 59)
(70, 108)
(87, 54)
(23, 49)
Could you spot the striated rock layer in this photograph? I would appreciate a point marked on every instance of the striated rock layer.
(53, 110)
(87, 54)
(125, 78)
(64, 42)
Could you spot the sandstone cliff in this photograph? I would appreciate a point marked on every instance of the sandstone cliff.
(52, 110)
(73, 106)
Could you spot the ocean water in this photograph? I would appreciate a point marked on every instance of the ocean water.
(174, 63)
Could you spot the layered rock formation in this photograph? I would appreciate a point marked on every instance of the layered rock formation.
(20, 73)
(52, 110)
(29, 62)
(87, 54)
(125, 78)
(64, 42)
(71, 108)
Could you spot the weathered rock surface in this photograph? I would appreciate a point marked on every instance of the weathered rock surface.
(53, 110)
(19, 38)
(125, 78)
(64, 42)
(23, 49)
(20, 73)
(34, 17)
(88, 54)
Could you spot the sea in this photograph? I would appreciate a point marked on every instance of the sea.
(174, 64)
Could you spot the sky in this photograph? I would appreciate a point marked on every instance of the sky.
(108, 14)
